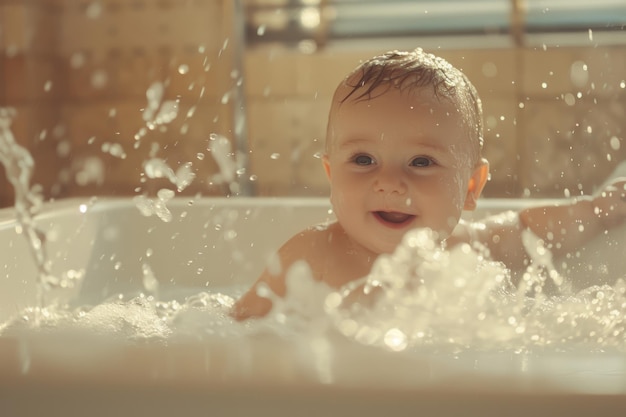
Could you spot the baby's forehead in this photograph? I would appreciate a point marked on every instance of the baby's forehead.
(387, 103)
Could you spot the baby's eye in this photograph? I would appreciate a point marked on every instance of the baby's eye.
(421, 161)
(363, 160)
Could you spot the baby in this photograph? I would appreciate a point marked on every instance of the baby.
(403, 151)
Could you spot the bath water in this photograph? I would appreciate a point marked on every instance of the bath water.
(427, 299)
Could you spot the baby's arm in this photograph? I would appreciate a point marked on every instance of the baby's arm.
(568, 227)
(251, 304)
(563, 227)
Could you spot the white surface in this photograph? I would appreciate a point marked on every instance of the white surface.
(217, 243)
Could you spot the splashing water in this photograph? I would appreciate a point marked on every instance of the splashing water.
(148, 206)
(221, 149)
(456, 299)
(420, 298)
(19, 165)
(158, 168)
(159, 112)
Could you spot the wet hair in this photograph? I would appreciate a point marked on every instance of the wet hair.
(414, 70)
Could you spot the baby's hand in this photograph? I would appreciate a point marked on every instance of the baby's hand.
(610, 203)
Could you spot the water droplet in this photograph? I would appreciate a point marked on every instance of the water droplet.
(490, 69)
(615, 143)
(99, 79)
(395, 340)
(150, 283)
(579, 74)
(77, 60)
(114, 149)
(569, 99)
(183, 69)
(94, 10)
(64, 148)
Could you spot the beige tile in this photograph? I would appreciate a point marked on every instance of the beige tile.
(195, 75)
(320, 73)
(501, 144)
(16, 24)
(33, 122)
(44, 28)
(605, 73)
(91, 122)
(286, 137)
(571, 149)
(134, 73)
(188, 24)
(93, 79)
(595, 72)
(492, 71)
(30, 78)
(279, 72)
(546, 73)
(270, 75)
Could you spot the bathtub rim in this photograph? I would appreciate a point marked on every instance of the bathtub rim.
(71, 205)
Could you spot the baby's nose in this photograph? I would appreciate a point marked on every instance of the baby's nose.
(390, 181)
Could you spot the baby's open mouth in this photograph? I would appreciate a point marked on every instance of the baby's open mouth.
(394, 217)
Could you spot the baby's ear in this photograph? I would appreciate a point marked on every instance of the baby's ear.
(326, 164)
(476, 184)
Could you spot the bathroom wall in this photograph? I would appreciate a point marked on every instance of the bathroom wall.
(554, 117)
(77, 73)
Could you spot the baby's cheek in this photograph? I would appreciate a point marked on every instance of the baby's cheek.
(456, 186)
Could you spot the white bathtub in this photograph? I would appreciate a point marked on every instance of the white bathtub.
(218, 244)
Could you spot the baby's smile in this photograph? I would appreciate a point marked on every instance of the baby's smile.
(393, 218)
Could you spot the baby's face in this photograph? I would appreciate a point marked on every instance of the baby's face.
(397, 162)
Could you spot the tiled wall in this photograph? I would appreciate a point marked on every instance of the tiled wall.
(554, 118)
(78, 71)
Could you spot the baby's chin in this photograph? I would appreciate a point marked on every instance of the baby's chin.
(390, 247)
(381, 248)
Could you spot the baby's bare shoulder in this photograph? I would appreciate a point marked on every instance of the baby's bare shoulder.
(313, 240)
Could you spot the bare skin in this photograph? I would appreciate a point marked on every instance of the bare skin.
(401, 161)
(337, 261)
